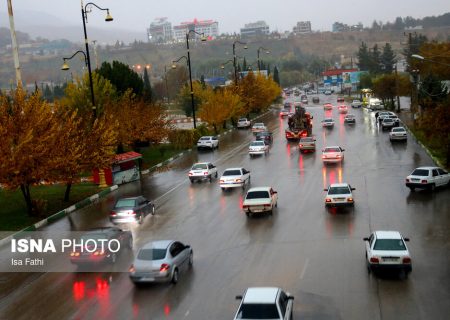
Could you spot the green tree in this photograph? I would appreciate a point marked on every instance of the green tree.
(375, 60)
(244, 65)
(364, 60)
(122, 77)
(388, 59)
(148, 91)
(48, 95)
(276, 76)
(365, 81)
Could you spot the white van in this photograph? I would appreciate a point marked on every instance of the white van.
(375, 104)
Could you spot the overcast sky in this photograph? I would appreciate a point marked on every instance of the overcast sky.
(281, 15)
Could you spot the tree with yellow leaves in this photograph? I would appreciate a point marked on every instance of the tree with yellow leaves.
(258, 92)
(218, 106)
(28, 130)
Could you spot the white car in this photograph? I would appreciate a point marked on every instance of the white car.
(387, 250)
(427, 178)
(258, 147)
(398, 134)
(356, 103)
(333, 154)
(259, 127)
(202, 171)
(387, 123)
(382, 114)
(339, 195)
(244, 123)
(210, 142)
(258, 200)
(234, 178)
(350, 119)
(328, 123)
(265, 303)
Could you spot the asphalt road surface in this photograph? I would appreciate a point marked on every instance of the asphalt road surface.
(315, 254)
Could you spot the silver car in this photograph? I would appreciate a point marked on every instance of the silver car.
(161, 261)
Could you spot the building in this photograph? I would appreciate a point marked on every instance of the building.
(340, 27)
(302, 27)
(160, 31)
(209, 28)
(258, 28)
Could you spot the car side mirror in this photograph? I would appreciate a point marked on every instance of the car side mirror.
(353, 188)
(290, 297)
(366, 239)
(325, 189)
(406, 239)
(275, 192)
(239, 297)
(187, 246)
(343, 149)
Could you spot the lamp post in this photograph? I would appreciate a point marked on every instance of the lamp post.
(167, 87)
(396, 88)
(84, 11)
(234, 58)
(267, 52)
(66, 67)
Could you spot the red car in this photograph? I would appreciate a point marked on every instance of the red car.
(343, 109)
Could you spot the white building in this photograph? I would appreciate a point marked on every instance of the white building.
(302, 27)
(160, 31)
(253, 29)
(209, 28)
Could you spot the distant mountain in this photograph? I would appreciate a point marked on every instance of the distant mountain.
(39, 24)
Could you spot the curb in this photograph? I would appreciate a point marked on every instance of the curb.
(61, 214)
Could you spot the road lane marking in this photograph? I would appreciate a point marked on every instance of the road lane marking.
(304, 269)
(186, 314)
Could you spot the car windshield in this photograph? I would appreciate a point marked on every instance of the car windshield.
(339, 190)
(122, 203)
(258, 311)
(328, 120)
(257, 195)
(389, 244)
(398, 130)
(232, 173)
(259, 125)
(332, 150)
(257, 144)
(205, 138)
(243, 120)
(151, 254)
(199, 166)
(420, 172)
(388, 120)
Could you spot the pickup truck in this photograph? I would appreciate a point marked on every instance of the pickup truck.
(259, 200)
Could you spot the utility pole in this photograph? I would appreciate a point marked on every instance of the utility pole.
(396, 88)
(15, 48)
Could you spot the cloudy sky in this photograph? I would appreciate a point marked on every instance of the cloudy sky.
(281, 15)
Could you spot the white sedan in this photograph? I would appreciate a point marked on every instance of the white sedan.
(398, 134)
(244, 123)
(339, 195)
(258, 200)
(427, 178)
(259, 127)
(202, 171)
(387, 250)
(333, 154)
(258, 147)
(328, 123)
(343, 109)
(234, 178)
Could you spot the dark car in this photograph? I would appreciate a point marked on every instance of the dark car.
(97, 250)
(315, 99)
(265, 136)
(132, 209)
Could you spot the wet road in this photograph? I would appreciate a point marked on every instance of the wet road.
(317, 256)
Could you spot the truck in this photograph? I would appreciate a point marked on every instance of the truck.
(299, 124)
(375, 104)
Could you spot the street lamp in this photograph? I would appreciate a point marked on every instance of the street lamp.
(234, 58)
(84, 11)
(419, 57)
(66, 67)
(167, 87)
(188, 60)
(174, 66)
(267, 52)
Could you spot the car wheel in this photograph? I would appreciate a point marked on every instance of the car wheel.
(191, 259)
(175, 276)
(433, 187)
(192, 180)
(224, 189)
(247, 214)
(412, 189)
(270, 212)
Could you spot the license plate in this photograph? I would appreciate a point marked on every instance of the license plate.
(390, 259)
(415, 179)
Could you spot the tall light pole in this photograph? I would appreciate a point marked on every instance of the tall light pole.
(167, 87)
(66, 67)
(234, 58)
(259, 63)
(188, 59)
(84, 11)
(396, 87)
(15, 47)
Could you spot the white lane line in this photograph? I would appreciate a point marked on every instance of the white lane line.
(186, 314)
(304, 269)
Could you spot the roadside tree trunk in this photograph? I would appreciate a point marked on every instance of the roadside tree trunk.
(67, 193)
(25, 188)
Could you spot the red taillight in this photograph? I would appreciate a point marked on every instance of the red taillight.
(113, 213)
(338, 156)
(164, 267)
(424, 181)
(205, 173)
(74, 254)
(131, 212)
(98, 253)
(324, 156)
(132, 269)
(327, 200)
(407, 260)
(374, 260)
(190, 174)
(350, 199)
(300, 145)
